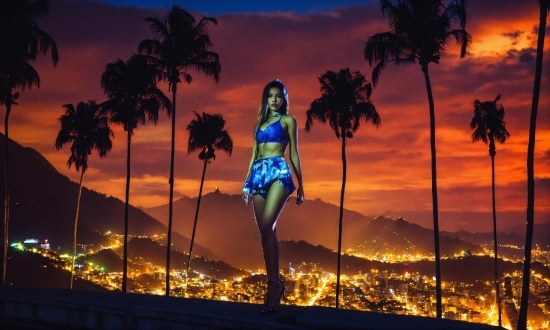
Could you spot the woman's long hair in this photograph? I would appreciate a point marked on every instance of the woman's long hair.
(264, 109)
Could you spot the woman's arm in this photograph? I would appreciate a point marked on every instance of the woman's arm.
(292, 131)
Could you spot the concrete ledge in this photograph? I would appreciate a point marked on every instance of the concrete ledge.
(47, 308)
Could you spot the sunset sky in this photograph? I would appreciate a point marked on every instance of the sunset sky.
(388, 168)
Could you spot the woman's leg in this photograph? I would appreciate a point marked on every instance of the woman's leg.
(266, 212)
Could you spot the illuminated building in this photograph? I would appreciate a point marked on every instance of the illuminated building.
(33, 243)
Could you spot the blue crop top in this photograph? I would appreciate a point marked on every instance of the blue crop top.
(274, 132)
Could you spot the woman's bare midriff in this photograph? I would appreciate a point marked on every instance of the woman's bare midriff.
(270, 149)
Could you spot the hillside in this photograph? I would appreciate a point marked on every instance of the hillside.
(227, 227)
(151, 251)
(386, 236)
(31, 269)
(43, 205)
(452, 269)
(144, 250)
(541, 236)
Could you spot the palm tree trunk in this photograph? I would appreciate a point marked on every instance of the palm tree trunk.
(75, 226)
(6, 194)
(171, 198)
(497, 284)
(522, 318)
(125, 254)
(344, 168)
(194, 227)
(434, 194)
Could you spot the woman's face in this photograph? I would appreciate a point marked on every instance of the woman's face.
(274, 98)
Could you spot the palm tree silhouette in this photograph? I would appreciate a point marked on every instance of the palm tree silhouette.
(133, 96)
(88, 129)
(544, 6)
(489, 126)
(344, 101)
(419, 31)
(22, 41)
(180, 43)
(206, 134)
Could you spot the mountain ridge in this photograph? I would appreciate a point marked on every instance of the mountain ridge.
(43, 202)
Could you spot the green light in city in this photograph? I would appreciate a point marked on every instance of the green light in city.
(18, 246)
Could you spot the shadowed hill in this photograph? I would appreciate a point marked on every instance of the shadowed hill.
(510, 244)
(227, 227)
(108, 260)
(151, 251)
(144, 250)
(541, 236)
(43, 206)
(31, 269)
(387, 236)
(453, 269)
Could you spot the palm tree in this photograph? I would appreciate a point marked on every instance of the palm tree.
(489, 126)
(22, 41)
(522, 318)
(206, 134)
(419, 31)
(88, 129)
(134, 96)
(344, 101)
(180, 43)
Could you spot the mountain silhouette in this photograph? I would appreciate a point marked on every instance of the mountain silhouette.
(386, 236)
(43, 206)
(541, 236)
(227, 227)
(151, 251)
(106, 259)
(33, 269)
(510, 244)
(457, 269)
(148, 251)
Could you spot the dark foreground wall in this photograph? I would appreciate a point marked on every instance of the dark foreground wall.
(46, 308)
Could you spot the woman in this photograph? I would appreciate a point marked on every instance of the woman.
(269, 181)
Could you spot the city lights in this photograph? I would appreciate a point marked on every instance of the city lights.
(376, 289)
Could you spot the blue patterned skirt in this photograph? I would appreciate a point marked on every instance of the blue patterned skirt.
(265, 172)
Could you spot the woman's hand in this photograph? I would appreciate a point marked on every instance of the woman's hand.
(246, 198)
(300, 196)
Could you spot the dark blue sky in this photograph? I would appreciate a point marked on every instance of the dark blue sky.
(224, 6)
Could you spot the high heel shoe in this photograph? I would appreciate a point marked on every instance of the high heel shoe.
(271, 309)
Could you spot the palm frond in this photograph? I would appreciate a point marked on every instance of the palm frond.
(344, 101)
(45, 44)
(207, 133)
(134, 95)
(157, 26)
(24, 76)
(181, 43)
(419, 31)
(463, 39)
(488, 122)
(207, 63)
(457, 10)
(38, 8)
(87, 129)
